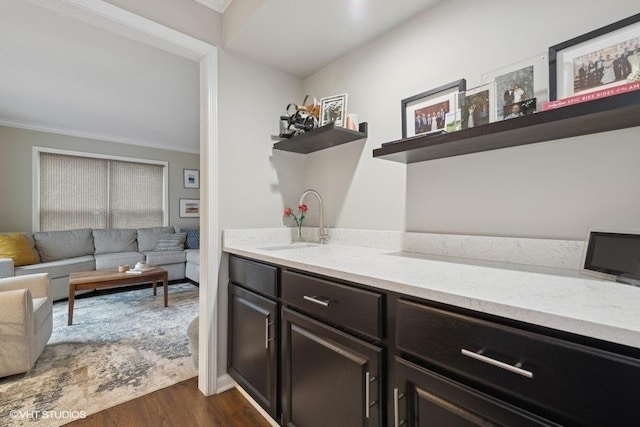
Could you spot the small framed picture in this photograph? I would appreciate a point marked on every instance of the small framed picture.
(191, 178)
(427, 111)
(518, 82)
(478, 106)
(189, 208)
(519, 109)
(333, 109)
(599, 60)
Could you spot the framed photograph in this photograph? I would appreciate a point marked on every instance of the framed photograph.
(478, 106)
(189, 208)
(191, 178)
(519, 109)
(515, 83)
(333, 109)
(599, 60)
(427, 111)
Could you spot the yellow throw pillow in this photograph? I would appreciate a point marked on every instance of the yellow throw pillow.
(16, 246)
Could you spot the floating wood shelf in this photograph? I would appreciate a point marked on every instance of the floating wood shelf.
(601, 115)
(320, 138)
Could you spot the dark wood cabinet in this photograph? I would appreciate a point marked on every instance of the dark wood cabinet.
(252, 349)
(423, 398)
(330, 378)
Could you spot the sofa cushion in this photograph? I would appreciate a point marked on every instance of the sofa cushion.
(165, 257)
(57, 245)
(60, 268)
(148, 237)
(193, 238)
(193, 256)
(17, 247)
(108, 241)
(118, 258)
(170, 242)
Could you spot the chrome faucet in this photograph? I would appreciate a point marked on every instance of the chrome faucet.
(323, 234)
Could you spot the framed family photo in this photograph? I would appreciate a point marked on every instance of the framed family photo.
(333, 109)
(478, 107)
(519, 83)
(598, 60)
(428, 111)
(191, 178)
(189, 208)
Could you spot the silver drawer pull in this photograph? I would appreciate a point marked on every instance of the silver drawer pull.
(367, 393)
(318, 300)
(499, 364)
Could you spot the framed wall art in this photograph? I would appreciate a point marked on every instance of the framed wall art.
(427, 111)
(189, 208)
(191, 178)
(333, 109)
(596, 61)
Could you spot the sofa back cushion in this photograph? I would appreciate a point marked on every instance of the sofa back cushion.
(193, 236)
(17, 247)
(56, 245)
(148, 237)
(171, 242)
(108, 241)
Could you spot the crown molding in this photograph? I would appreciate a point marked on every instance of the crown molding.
(93, 135)
(218, 5)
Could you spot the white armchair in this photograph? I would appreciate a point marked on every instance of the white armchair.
(26, 321)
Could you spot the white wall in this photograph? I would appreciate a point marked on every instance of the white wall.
(555, 189)
(256, 182)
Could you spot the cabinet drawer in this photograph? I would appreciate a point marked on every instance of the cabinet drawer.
(253, 275)
(334, 303)
(578, 384)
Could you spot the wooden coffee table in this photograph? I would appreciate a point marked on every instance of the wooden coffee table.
(108, 277)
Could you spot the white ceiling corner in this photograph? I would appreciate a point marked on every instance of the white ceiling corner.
(218, 5)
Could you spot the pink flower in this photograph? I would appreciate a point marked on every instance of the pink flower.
(297, 219)
(287, 211)
(302, 208)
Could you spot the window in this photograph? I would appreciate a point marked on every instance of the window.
(88, 192)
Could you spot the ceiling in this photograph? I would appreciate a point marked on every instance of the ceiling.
(302, 36)
(63, 75)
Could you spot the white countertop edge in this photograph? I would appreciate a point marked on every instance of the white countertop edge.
(580, 326)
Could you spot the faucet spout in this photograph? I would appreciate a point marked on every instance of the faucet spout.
(323, 234)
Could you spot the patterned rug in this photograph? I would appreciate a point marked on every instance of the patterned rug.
(121, 346)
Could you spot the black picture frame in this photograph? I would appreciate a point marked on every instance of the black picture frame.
(555, 50)
(458, 85)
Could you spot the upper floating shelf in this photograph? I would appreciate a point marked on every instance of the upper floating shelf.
(320, 138)
(601, 115)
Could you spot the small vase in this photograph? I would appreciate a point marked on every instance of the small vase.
(299, 233)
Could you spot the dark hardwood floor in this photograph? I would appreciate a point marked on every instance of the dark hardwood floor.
(179, 405)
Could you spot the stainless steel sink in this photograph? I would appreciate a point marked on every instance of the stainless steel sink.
(296, 245)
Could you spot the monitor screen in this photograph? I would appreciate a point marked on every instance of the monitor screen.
(617, 254)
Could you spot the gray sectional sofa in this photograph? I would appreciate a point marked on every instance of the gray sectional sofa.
(61, 253)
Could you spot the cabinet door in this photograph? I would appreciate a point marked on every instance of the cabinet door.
(424, 398)
(252, 351)
(329, 378)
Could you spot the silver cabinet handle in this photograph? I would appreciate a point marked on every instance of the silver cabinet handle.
(367, 391)
(396, 415)
(318, 300)
(511, 368)
(266, 332)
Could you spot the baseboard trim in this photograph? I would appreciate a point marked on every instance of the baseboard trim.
(259, 408)
(224, 383)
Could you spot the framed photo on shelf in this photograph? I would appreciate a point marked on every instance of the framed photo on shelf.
(191, 178)
(519, 109)
(598, 60)
(515, 83)
(478, 106)
(189, 208)
(427, 111)
(333, 109)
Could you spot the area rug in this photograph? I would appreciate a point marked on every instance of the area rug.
(121, 346)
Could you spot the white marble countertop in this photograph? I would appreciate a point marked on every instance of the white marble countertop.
(553, 298)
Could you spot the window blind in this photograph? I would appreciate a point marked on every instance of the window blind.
(85, 192)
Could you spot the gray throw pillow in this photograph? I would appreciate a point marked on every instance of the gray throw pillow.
(171, 242)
